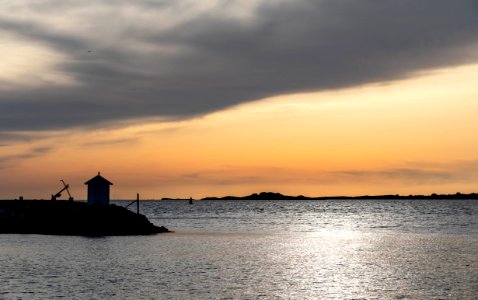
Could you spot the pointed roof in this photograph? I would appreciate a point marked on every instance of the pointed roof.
(98, 179)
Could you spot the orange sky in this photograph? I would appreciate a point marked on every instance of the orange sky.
(411, 136)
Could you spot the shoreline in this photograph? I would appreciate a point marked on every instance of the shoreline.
(278, 196)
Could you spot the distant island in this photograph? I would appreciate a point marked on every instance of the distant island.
(278, 196)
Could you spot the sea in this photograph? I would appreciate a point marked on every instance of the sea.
(321, 249)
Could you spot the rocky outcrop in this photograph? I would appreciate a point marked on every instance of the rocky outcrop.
(72, 218)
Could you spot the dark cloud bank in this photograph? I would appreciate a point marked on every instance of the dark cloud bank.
(211, 60)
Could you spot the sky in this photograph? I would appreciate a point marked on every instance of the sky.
(204, 98)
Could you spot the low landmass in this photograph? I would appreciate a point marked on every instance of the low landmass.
(72, 218)
(278, 196)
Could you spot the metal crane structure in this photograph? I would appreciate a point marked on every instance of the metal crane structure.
(58, 195)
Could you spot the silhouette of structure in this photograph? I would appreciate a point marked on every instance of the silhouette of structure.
(68, 217)
(98, 190)
(57, 195)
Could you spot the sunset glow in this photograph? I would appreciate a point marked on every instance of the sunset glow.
(213, 98)
(409, 136)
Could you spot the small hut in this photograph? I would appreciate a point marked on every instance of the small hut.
(98, 190)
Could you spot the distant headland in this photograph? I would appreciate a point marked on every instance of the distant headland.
(278, 196)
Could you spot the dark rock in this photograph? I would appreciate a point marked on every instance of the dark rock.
(72, 218)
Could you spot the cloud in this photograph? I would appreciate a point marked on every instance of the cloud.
(414, 173)
(8, 160)
(14, 137)
(180, 59)
(407, 173)
(108, 142)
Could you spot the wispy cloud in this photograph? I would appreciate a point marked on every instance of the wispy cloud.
(10, 159)
(406, 175)
(118, 141)
(8, 137)
(454, 172)
(416, 173)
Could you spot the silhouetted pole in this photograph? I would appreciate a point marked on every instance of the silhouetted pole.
(137, 203)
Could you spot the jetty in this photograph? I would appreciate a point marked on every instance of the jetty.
(72, 218)
(95, 217)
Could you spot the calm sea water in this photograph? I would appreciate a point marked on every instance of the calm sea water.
(260, 250)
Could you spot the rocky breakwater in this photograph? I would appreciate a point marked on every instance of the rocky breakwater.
(72, 218)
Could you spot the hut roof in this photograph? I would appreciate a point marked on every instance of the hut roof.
(98, 179)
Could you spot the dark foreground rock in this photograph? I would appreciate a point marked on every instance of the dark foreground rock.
(72, 218)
